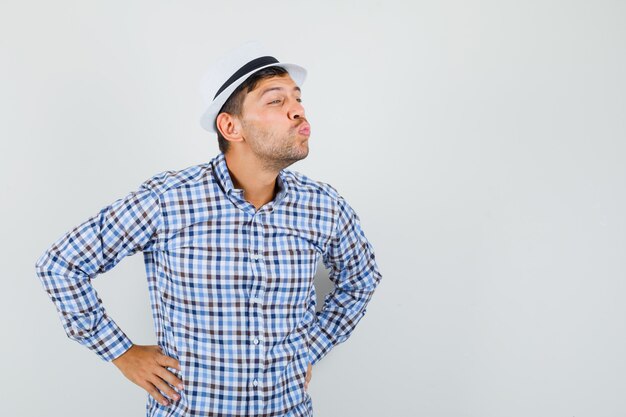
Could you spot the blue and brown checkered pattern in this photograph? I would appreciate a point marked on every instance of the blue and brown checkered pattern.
(231, 287)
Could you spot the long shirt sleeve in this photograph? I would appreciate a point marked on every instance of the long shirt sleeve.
(352, 267)
(231, 285)
(95, 246)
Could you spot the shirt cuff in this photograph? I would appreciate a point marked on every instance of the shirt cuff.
(109, 341)
(319, 343)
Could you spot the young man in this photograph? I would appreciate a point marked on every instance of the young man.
(231, 248)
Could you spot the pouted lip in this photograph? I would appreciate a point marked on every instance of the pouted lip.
(305, 129)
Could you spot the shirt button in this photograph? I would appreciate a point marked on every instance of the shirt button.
(256, 341)
(255, 256)
(255, 382)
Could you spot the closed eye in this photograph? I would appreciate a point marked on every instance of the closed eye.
(299, 100)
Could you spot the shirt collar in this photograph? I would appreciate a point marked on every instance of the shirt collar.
(220, 170)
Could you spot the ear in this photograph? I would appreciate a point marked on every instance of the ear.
(229, 126)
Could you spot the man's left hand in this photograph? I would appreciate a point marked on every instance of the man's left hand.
(308, 376)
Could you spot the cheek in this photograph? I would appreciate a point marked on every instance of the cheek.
(267, 121)
(273, 122)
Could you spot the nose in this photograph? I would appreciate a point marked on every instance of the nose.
(296, 110)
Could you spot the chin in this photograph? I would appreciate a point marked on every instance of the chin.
(305, 153)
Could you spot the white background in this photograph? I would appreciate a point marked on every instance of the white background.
(482, 144)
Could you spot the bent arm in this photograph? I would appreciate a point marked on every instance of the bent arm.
(352, 267)
(95, 246)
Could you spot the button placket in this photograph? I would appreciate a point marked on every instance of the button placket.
(256, 288)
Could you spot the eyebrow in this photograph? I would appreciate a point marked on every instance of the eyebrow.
(296, 88)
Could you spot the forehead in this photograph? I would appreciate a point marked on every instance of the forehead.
(279, 83)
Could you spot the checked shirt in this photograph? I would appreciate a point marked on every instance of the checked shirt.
(231, 287)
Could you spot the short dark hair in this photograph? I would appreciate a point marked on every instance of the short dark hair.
(234, 103)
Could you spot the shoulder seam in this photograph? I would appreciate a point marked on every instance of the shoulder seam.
(158, 183)
(306, 181)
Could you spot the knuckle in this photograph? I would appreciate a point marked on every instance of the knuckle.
(163, 374)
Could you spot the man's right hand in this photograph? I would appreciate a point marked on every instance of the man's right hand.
(146, 366)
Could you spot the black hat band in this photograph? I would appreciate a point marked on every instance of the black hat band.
(250, 66)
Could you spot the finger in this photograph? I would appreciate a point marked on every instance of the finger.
(170, 377)
(156, 394)
(165, 360)
(165, 389)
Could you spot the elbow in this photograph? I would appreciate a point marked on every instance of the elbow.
(44, 261)
(40, 262)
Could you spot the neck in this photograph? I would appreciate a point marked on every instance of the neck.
(248, 173)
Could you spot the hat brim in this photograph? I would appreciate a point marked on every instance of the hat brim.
(207, 121)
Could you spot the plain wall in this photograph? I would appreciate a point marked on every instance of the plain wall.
(482, 144)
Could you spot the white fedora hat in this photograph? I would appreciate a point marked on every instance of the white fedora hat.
(225, 75)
